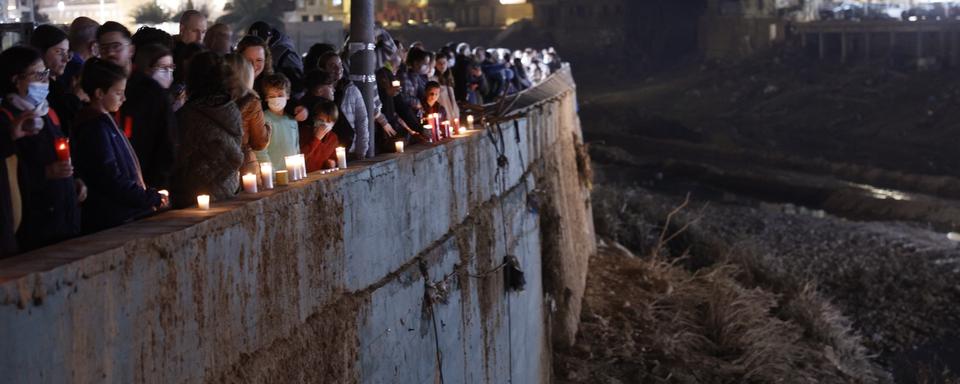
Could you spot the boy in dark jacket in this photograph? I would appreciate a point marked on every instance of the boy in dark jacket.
(102, 154)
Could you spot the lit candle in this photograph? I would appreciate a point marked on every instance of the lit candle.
(302, 162)
(266, 175)
(446, 128)
(62, 146)
(250, 183)
(469, 121)
(341, 157)
(282, 177)
(399, 146)
(203, 202)
(293, 171)
(429, 132)
(462, 130)
(395, 83)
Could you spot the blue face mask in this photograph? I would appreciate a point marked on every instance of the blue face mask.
(37, 92)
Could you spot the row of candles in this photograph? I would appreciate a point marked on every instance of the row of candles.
(296, 170)
(296, 165)
(444, 129)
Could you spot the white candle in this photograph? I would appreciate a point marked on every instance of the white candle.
(446, 128)
(399, 146)
(203, 202)
(249, 183)
(164, 193)
(429, 132)
(463, 131)
(266, 175)
(341, 157)
(395, 83)
(292, 170)
(302, 162)
(469, 121)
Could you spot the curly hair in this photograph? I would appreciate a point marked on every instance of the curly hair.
(254, 41)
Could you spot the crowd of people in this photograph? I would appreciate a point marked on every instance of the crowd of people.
(105, 126)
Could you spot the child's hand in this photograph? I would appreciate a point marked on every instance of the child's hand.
(300, 114)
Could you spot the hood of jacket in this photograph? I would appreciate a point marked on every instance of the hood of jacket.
(218, 112)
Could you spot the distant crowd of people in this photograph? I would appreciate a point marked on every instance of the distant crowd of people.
(100, 120)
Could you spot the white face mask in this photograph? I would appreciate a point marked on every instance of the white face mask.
(326, 125)
(165, 78)
(276, 104)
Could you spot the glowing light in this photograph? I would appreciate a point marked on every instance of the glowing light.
(60, 6)
(508, 2)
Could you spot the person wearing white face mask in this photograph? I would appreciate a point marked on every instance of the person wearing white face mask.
(147, 117)
(284, 133)
(50, 193)
(318, 142)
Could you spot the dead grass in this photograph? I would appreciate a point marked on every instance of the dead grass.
(653, 319)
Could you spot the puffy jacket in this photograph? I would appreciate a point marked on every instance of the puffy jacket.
(209, 157)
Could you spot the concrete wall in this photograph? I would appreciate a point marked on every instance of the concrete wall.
(385, 273)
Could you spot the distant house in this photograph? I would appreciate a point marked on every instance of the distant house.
(732, 29)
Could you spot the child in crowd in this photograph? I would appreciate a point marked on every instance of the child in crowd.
(101, 152)
(318, 142)
(285, 136)
(431, 106)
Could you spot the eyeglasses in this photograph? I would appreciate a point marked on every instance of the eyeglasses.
(110, 47)
(166, 68)
(38, 75)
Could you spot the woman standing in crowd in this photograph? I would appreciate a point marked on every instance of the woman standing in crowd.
(444, 78)
(147, 115)
(49, 191)
(103, 155)
(348, 97)
(255, 50)
(11, 209)
(210, 129)
(55, 49)
(256, 132)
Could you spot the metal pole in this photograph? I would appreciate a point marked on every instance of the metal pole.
(361, 60)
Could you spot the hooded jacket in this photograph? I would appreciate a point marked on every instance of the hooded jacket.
(209, 156)
(287, 61)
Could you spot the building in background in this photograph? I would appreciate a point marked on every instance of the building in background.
(733, 29)
(322, 10)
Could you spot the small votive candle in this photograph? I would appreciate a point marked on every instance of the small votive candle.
(249, 183)
(341, 157)
(395, 83)
(462, 130)
(266, 175)
(283, 177)
(429, 132)
(203, 202)
(469, 121)
(399, 145)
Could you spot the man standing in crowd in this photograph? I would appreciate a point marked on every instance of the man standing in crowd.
(286, 60)
(115, 44)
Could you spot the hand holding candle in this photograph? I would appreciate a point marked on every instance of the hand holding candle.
(62, 147)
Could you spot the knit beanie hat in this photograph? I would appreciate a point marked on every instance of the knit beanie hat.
(46, 36)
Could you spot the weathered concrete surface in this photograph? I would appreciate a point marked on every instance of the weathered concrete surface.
(386, 273)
